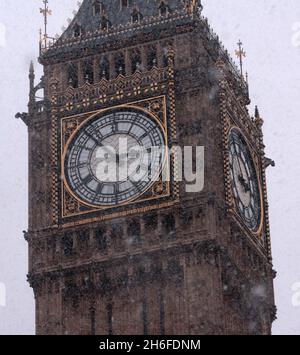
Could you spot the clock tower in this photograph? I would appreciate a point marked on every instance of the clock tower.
(138, 256)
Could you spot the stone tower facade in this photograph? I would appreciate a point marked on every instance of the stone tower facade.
(167, 261)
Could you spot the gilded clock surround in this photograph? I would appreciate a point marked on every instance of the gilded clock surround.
(255, 162)
(161, 121)
(157, 100)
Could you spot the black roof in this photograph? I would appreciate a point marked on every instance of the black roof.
(117, 15)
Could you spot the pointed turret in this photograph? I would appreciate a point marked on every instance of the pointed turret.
(31, 85)
(258, 119)
(31, 75)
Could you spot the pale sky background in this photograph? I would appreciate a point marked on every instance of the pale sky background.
(268, 31)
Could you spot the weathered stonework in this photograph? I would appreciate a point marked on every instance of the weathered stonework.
(185, 264)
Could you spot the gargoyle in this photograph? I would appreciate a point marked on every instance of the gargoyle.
(23, 116)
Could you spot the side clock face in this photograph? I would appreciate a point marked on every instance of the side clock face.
(94, 157)
(245, 184)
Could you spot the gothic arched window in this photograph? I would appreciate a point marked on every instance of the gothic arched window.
(136, 61)
(152, 57)
(105, 24)
(134, 231)
(97, 7)
(73, 75)
(169, 225)
(88, 72)
(104, 68)
(124, 3)
(68, 244)
(120, 64)
(101, 238)
(163, 9)
(165, 57)
(77, 31)
(136, 16)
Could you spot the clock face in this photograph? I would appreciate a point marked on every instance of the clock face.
(115, 158)
(245, 184)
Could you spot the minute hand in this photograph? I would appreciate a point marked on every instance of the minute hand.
(239, 164)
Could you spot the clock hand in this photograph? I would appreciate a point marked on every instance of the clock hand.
(242, 180)
(237, 157)
(117, 159)
(245, 185)
(129, 159)
(110, 151)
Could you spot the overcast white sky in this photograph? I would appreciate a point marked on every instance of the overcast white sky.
(268, 31)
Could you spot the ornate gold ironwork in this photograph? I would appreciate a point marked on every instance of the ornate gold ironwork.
(152, 91)
(240, 53)
(45, 12)
(72, 206)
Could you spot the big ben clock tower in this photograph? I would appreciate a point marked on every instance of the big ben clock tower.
(138, 256)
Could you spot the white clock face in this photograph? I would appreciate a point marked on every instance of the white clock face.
(125, 140)
(245, 184)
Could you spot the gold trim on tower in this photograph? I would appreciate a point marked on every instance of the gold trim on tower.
(256, 166)
(159, 194)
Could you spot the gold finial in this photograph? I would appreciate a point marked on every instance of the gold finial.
(45, 12)
(240, 53)
(193, 5)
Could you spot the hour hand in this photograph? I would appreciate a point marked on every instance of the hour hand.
(244, 183)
